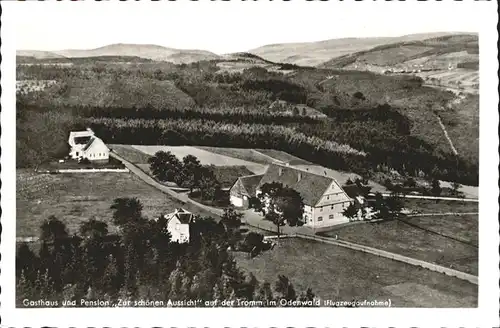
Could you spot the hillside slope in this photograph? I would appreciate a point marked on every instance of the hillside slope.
(432, 53)
(148, 51)
(116, 93)
(448, 61)
(315, 53)
(38, 54)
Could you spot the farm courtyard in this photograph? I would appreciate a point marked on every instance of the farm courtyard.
(342, 274)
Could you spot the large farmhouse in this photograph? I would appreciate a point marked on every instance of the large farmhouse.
(324, 199)
(86, 145)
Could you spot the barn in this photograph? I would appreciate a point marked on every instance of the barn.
(243, 189)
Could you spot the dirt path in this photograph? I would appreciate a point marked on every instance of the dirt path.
(453, 149)
(152, 182)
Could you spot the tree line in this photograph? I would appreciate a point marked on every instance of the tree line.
(255, 114)
(188, 173)
(141, 262)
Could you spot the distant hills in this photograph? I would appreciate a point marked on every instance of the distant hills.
(414, 49)
(431, 53)
(146, 51)
(37, 54)
(315, 53)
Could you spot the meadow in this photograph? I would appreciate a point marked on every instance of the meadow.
(77, 197)
(450, 241)
(205, 157)
(339, 273)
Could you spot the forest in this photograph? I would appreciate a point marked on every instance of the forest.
(141, 262)
(360, 132)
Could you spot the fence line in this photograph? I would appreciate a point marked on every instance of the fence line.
(443, 214)
(472, 200)
(92, 170)
(430, 266)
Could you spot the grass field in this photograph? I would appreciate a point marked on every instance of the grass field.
(205, 157)
(342, 274)
(239, 153)
(74, 198)
(130, 154)
(282, 156)
(450, 241)
(430, 206)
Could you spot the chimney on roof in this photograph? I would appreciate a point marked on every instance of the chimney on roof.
(324, 172)
(299, 176)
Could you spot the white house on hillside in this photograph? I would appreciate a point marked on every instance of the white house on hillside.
(178, 225)
(85, 144)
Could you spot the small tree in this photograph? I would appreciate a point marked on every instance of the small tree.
(126, 210)
(285, 288)
(410, 182)
(253, 242)
(165, 166)
(53, 229)
(304, 112)
(380, 206)
(394, 204)
(93, 228)
(192, 172)
(295, 111)
(455, 188)
(231, 219)
(436, 188)
(256, 204)
(208, 184)
(351, 212)
(281, 203)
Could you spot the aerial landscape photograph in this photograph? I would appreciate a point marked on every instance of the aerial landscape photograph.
(341, 173)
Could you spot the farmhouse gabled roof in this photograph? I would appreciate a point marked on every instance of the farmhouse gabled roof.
(92, 141)
(310, 186)
(82, 140)
(250, 183)
(182, 215)
(89, 143)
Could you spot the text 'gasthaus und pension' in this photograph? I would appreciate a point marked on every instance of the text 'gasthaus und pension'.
(201, 303)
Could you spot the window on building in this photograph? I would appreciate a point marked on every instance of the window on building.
(327, 197)
(330, 216)
(321, 209)
(332, 207)
(320, 218)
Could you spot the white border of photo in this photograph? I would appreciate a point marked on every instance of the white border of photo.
(483, 18)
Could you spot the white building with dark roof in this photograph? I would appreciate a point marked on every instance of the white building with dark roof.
(323, 197)
(178, 225)
(86, 145)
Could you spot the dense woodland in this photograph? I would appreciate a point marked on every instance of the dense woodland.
(142, 263)
(366, 129)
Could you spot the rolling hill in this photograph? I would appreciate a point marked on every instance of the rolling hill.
(147, 51)
(316, 53)
(116, 93)
(38, 54)
(431, 53)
